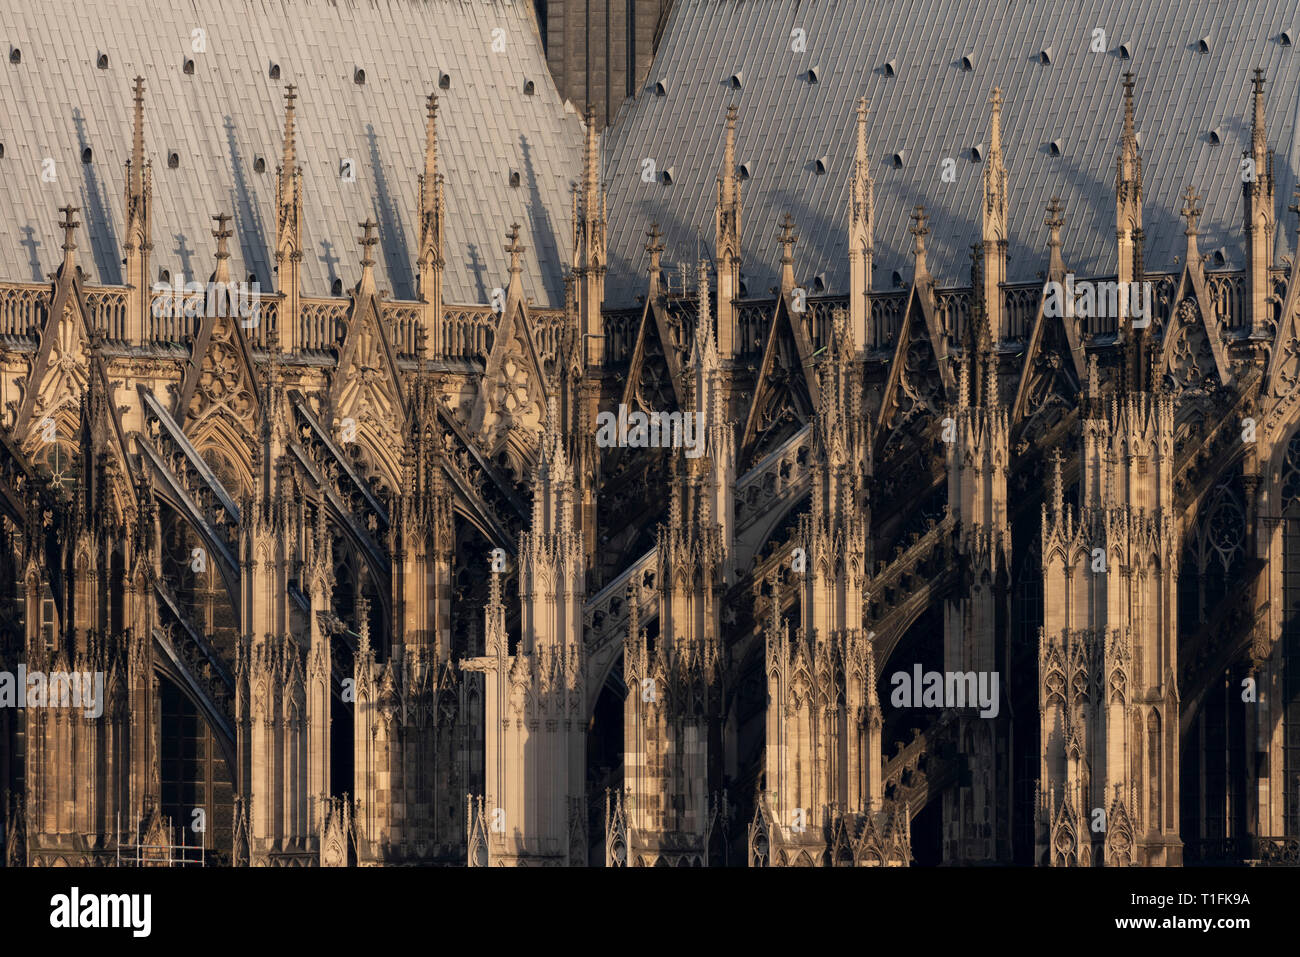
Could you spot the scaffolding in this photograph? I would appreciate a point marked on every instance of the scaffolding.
(155, 850)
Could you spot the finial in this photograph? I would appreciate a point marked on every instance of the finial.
(363, 621)
(788, 239)
(591, 167)
(1057, 486)
(552, 413)
(137, 145)
(69, 226)
(1258, 134)
(222, 234)
(1191, 212)
(431, 139)
(1054, 220)
(514, 249)
(654, 246)
(1128, 108)
(366, 241)
(290, 155)
(919, 231)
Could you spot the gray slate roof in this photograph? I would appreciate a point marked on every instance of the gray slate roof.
(229, 112)
(932, 108)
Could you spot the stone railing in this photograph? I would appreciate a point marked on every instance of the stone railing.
(321, 322)
(402, 320)
(752, 320)
(24, 309)
(953, 312)
(469, 331)
(1020, 308)
(469, 328)
(1229, 291)
(621, 328)
(108, 312)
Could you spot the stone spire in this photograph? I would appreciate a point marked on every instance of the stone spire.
(862, 206)
(994, 220)
(431, 260)
(590, 262)
(727, 241)
(138, 244)
(1128, 193)
(1260, 211)
(706, 350)
(288, 231)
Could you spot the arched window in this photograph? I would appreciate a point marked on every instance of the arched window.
(1154, 759)
(1214, 554)
(49, 619)
(1214, 751)
(1291, 638)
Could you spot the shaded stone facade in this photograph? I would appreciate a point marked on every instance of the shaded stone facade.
(366, 587)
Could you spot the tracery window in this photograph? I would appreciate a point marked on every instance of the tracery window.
(49, 619)
(1291, 638)
(1214, 553)
(1214, 751)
